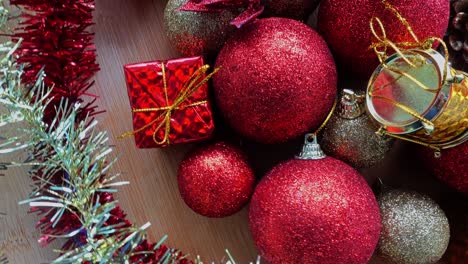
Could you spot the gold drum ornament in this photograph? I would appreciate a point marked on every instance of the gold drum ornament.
(416, 96)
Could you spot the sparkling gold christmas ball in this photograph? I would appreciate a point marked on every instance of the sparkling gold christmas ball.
(414, 228)
(350, 134)
(197, 33)
(354, 141)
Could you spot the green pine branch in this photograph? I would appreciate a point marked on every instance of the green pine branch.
(76, 148)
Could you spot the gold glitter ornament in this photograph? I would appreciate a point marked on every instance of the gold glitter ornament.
(197, 33)
(414, 228)
(350, 134)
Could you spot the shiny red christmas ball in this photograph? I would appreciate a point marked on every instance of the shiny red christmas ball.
(277, 81)
(345, 26)
(216, 180)
(451, 167)
(314, 211)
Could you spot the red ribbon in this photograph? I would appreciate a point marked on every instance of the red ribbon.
(253, 8)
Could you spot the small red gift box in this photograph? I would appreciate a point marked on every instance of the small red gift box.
(169, 102)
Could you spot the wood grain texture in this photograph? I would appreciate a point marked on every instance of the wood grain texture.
(130, 31)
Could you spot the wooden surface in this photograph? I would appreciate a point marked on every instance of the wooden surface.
(132, 31)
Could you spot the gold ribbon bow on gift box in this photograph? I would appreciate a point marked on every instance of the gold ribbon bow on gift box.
(190, 87)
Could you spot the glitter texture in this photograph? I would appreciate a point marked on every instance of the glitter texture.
(414, 229)
(295, 9)
(345, 26)
(314, 211)
(451, 167)
(354, 141)
(197, 33)
(216, 180)
(278, 80)
(251, 8)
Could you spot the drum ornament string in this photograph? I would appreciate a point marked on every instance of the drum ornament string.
(437, 150)
(384, 42)
(325, 122)
(401, 48)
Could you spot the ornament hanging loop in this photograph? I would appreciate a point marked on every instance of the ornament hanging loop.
(311, 149)
(311, 136)
(351, 105)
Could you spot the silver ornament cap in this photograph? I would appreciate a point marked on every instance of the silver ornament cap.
(311, 150)
(351, 105)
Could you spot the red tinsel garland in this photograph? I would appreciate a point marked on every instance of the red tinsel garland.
(55, 36)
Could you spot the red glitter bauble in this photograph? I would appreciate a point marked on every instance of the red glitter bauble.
(277, 81)
(345, 26)
(314, 211)
(451, 167)
(216, 180)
